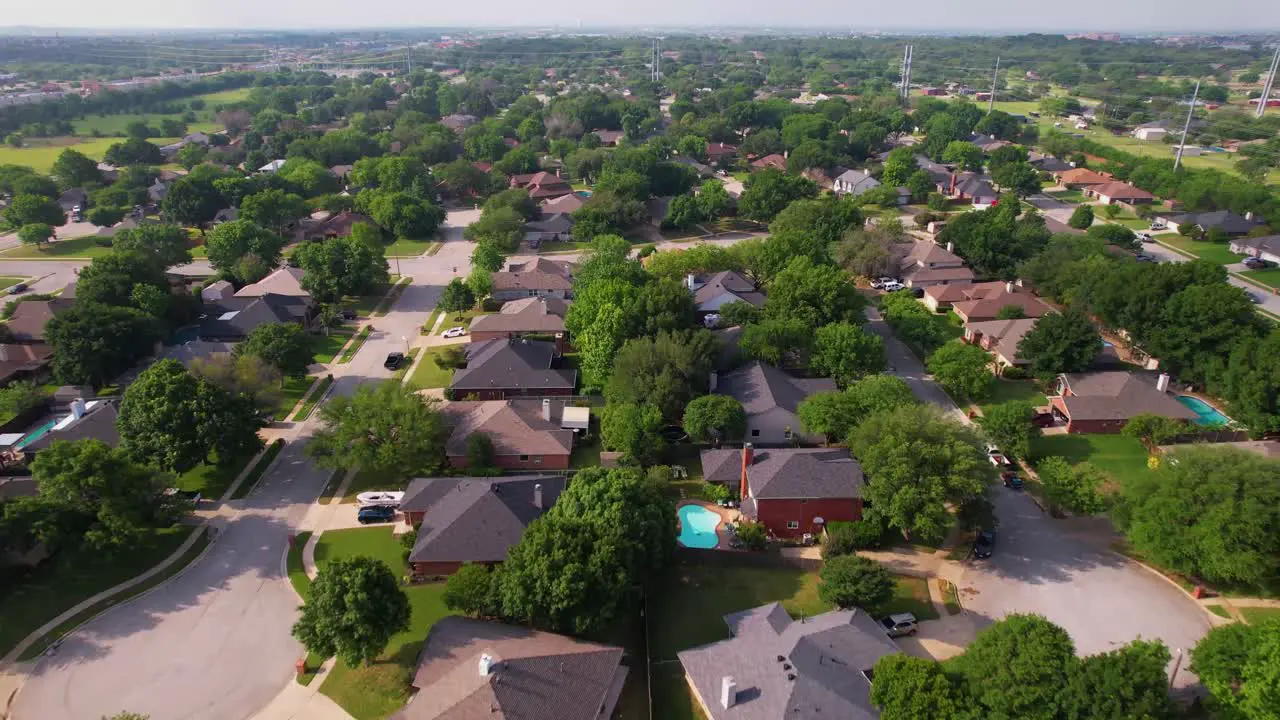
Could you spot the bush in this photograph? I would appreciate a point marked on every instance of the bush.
(1081, 217)
(851, 581)
(752, 535)
(843, 538)
(1013, 373)
(407, 541)
(937, 201)
(717, 492)
(452, 358)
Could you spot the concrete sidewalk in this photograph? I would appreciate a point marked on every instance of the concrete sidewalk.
(304, 702)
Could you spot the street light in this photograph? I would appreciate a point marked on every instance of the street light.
(405, 338)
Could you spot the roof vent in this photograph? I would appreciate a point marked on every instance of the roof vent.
(791, 676)
(781, 658)
(786, 666)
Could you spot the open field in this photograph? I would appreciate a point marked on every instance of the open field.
(114, 125)
(42, 152)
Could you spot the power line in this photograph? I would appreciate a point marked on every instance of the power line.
(1177, 159)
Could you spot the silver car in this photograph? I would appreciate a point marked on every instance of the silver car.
(899, 625)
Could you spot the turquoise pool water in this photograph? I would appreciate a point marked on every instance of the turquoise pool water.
(698, 527)
(1205, 414)
(36, 434)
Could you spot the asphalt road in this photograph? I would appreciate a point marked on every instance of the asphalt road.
(904, 364)
(1063, 570)
(1268, 301)
(214, 643)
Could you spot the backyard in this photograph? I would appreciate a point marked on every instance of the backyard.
(1119, 456)
(376, 691)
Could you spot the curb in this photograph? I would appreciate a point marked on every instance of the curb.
(1203, 608)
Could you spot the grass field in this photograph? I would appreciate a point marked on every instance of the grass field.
(30, 598)
(81, 247)
(1213, 252)
(462, 319)
(1119, 456)
(404, 247)
(1003, 391)
(114, 125)
(1269, 277)
(211, 480)
(9, 281)
(429, 375)
(328, 347)
(1255, 615)
(294, 389)
(42, 152)
(355, 345)
(376, 691)
(224, 96)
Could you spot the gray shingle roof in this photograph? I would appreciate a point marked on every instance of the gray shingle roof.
(761, 387)
(513, 365)
(475, 519)
(515, 427)
(1224, 220)
(535, 675)
(788, 472)
(540, 274)
(820, 675)
(98, 423)
(236, 317)
(731, 283)
(535, 314)
(1118, 395)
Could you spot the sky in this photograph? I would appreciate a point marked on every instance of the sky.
(987, 16)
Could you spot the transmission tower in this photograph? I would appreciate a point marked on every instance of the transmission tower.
(1269, 83)
(1177, 159)
(991, 102)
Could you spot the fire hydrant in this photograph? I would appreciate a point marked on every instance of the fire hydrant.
(301, 665)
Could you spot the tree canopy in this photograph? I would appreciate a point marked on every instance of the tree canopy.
(385, 427)
(354, 607)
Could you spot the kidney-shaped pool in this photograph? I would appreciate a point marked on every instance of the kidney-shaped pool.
(698, 526)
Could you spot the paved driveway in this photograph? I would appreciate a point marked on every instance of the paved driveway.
(1062, 569)
(1045, 202)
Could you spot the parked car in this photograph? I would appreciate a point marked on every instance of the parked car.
(1011, 480)
(376, 514)
(1144, 258)
(454, 332)
(385, 498)
(1145, 237)
(900, 624)
(394, 361)
(877, 283)
(348, 314)
(18, 289)
(997, 457)
(984, 544)
(1254, 263)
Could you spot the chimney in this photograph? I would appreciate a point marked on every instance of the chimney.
(748, 456)
(728, 692)
(537, 496)
(951, 247)
(1008, 287)
(78, 408)
(1162, 383)
(691, 281)
(715, 382)
(486, 665)
(546, 409)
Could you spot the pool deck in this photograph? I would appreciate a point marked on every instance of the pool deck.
(727, 516)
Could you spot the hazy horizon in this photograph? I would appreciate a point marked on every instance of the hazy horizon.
(987, 17)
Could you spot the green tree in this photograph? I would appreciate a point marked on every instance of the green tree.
(284, 346)
(1061, 342)
(899, 166)
(962, 369)
(768, 192)
(880, 393)
(714, 419)
(471, 591)
(632, 430)
(106, 216)
(21, 396)
(1016, 668)
(134, 151)
(111, 278)
(598, 345)
(1154, 430)
(831, 414)
(666, 371)
(1075, 489)
(907, 688)
(247, 375)
(35, 234)
(174, 420)
(1238, 664)
(1081, 218)
(457, 297)
(231, 242)
(1214, 514)
(1128, 682)
(846, 353)
(500, 227)
(964, 154)
(341, 266)
(848, 581)
(192, 154)
(1010, 312)
(381, 428)
(814, 294)
(94, 343)
(917, 463)
(272, 208)
(165, 244)
(480, 283)
(487, 257)
(193, 200)
(355, 606)
(1012, 426)
(479, 451)
(28, 209)
(1017, 178)
(779, 342)
(74, 169)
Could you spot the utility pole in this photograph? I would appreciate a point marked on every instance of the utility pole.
(408, 61)
(1177, 159)
(902, 74)
(991, 102)
(906, 92)
(1269, 83)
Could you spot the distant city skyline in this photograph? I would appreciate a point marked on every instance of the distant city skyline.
(937, 16)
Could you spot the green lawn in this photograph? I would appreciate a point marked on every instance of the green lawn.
(211, 480)
(406, 247)
(1119, 456)
(9, 280)
(365, 304)
(328, 346)
(1219, 611)
(294, 389)
(313, 399)
(912, 596)
(562, 246)
(1214, 252)
(462, 319)
(293, 563)
(81, 247)
(586, 453)
(1255, 615)
(30, 598)
(223, 97)
(1070, 196)
(41, 153)
(1003, 391)
(114, 125)
(382, 688)
(429, 375)
(355, 344)
(1269, 277)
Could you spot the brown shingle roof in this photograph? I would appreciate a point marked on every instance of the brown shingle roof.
(989, 307)
(1117, 395)
(515, 427)
(30, 318)
(540, 274)
(1083, 176)
(527, 315)
(1121, 191)
(1004, 334)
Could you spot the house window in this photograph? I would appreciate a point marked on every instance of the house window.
(537, 459)
(755, 433)
(524, 458)
(787, 433)
(793, 524)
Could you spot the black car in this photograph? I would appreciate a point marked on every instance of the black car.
(984, 544)
(1254, 263)
(348, 314)
(393, 361)
(18, 289)
(376, 514)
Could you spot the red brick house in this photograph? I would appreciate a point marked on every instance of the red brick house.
(775, 161)
(1103, 402)
(464, 519)
(514, 367)
(528, 316)
(531, 434)
(792, 491)
(542, 185)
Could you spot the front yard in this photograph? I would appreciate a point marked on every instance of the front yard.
(81, 247)
(380, 689)
(328, 346)
(1213, 252)
(1003, 391)
(428, 374)
(1119, 456)
(1269, 277)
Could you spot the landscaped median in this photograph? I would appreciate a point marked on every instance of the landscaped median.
(354, 346)
(259, 469)
(313, 399)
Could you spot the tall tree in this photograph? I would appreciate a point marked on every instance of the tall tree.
(715, 418)
(1239, 664)
(633, 431)
(850, 581)
(166, 245)
(1012, 426)
(1016, 668)
(73, 169)
(231, 243)
(1061, 342)
(815, 294)
(666, 371)
(341, 266)
(1071, 488)
(93, 343)
(284, 346)
(768, 192)
(354, 608)
(846, 353)
(272, 208)
(962, 369)
(381, 428)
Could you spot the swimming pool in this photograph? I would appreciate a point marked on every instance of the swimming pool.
(36, 434)
(698, 526)
(1205, 414)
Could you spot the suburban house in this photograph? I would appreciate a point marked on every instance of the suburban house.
(540, 277)
(220, 290)
(128, 223)
(792, 491)
(715, 291)
(234, 318)
(85, 420)
(1077, 178)
(775, 161)
(469, 519)
(927, 264)
(527, 316)
(542, 185)
(943, 297)
(702, 169)
(972, 187)
(548, 228)
(226, 214)
(720, 153)
(332, 226)
(472, 669)
(939, 174)
(458, 122)
(1103, 402)
(272, 167)
(987, 305)
(1119, 192)
(23, 361)
(564, 204)
(1151, 130)
(1000, 338)
(776, 668)
(1223, 221)
(499, 369)
(854, 182)
(27, 324)
(531, 433)
(770, 398)
(1048, 163)
(1266, 247)
(608, 138)
(286, 281)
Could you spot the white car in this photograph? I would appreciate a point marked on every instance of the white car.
(380, 498)
(997, 457)
(455, 332)
(892, 286)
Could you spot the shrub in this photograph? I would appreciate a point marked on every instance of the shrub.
(716, 492)
(451, 359)
(407, 541)
(752, 535)
(1013, 373)
(851, 581)
(843, 538)
(937, 201)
